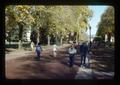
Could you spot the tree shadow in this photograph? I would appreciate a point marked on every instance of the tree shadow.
(33, 58)
(63, 52)
(105, 59)
(65, 63)
(7, 51)
(47, 71)
(103, 65)
(77, 63)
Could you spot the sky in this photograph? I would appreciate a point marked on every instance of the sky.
(97, 12)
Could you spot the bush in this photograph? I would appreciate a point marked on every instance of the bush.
(98, 39)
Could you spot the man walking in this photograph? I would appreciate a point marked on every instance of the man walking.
(83, 52)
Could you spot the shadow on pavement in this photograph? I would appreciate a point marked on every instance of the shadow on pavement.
(39, 70)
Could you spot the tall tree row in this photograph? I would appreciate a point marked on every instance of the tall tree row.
(50, 22)
(107, 24)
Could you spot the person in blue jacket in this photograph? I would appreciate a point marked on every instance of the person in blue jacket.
(38, 50)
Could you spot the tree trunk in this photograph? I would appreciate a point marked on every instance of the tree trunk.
(109, 36)
(103, 38)
(19, 44)
(38, 35)
(38, 38)
(77, 38)
(20, 34)
(61, 40)
(9, 42)
(48, 40)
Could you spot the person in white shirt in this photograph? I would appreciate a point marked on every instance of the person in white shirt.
(54, 50)
(72, 51)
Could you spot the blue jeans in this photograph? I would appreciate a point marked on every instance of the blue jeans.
(38, 54)
(83, 59)
(71, 57)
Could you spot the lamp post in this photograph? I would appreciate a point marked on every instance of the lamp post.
(90, 35)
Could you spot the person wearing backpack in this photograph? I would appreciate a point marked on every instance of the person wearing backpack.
(38, 51)
(72, 51)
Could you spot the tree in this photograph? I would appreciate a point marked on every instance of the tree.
(106, 25)
(50, 22)
(17, 15)
(64, 19)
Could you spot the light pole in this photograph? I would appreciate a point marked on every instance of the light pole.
(90, 35)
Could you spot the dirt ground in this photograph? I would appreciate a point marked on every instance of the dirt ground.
(49, 67)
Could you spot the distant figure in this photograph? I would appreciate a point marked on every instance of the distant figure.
(33, 37)
(54, 50)
(32, 46)
(38, 50)
(88, 57)
(72, 51)
(90, 44)
(83, 52)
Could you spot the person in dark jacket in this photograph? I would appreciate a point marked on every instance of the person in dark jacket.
(83, 53)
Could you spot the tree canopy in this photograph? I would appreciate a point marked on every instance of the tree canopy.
(55, 20)
(106, 25)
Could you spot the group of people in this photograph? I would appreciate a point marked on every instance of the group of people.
(39, 49)
(83, 50)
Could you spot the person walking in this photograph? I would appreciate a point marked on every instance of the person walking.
(88, 57)
(72, 51)
(38, 51)
(32, 46)
(83, 53)
(55, 50)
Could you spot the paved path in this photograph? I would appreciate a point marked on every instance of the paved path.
(84, 73)
(49, 67)
(17, 54)
(21, 53)
(103, 75)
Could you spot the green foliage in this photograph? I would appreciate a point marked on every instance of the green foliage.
(98, 39)
(106, 25)
(56, 21)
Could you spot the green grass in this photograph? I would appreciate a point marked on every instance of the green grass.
(24, 46)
